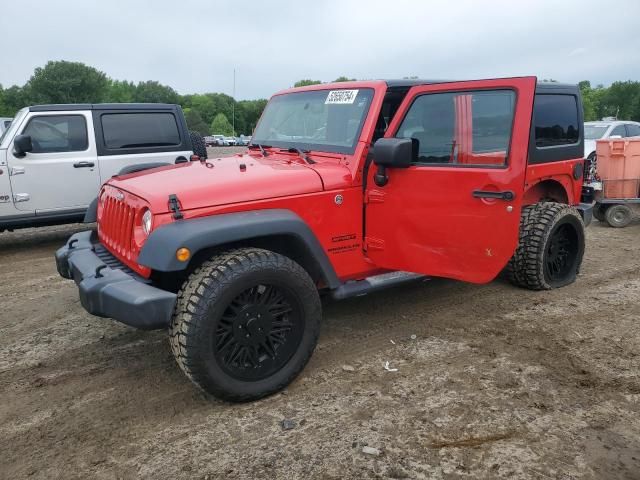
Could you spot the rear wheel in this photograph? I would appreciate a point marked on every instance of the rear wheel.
(598, 211)
(246, 323)
(618, 216)
(550, 247)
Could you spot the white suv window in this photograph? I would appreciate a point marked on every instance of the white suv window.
(57, 133)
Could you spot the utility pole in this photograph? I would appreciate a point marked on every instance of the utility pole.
(233, 105)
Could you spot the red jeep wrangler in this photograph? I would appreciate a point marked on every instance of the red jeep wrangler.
(344, 189)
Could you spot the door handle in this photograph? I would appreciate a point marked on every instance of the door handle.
(507, 195)
(16, 171)
(84, 165)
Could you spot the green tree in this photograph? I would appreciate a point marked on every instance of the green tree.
(195, 122)
(304, 83)
(622, 99)
(120, 91)
(221, 125)
(14, 98)
(344, 79)
(67, 82)
(154, 92)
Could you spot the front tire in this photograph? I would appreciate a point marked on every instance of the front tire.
(246, 323)
(550, 247)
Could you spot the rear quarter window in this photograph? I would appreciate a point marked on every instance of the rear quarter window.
(555, 120)
(557, 126)
(140, 130)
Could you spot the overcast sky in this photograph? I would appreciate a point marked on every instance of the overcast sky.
(194, 46)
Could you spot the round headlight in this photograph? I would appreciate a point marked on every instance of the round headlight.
(147, 221)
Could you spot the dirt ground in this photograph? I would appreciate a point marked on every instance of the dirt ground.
(491, 382)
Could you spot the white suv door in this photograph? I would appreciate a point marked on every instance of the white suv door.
(128, 138)
(61, 171)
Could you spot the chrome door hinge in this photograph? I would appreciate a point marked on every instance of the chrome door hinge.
(21, 197)
(16, 171)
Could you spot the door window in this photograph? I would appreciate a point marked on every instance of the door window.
(57, 133)
(633, 130)
(470, 128)
(133, 130)
(619, 131)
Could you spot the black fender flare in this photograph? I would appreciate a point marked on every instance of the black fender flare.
(159, 251)
(139, 167)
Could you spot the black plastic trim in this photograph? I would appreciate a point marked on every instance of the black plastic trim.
(63, 107)
(42, 219)
(91, 215)
(112, 292)
(158, 252)
(141, 167)
(586, 211)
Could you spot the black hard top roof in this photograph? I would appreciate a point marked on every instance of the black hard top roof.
(102, 106)
(399, 83)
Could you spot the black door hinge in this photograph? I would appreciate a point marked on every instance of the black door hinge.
(174, 206)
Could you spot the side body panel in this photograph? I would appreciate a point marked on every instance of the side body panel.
(7, 208)
(52, 182)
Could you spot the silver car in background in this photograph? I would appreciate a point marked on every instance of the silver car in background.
(607, 129)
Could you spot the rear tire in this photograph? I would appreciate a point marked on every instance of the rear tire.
(246, 323)
(618, 216)
(198, 145)
(550, 247)
(598, 211)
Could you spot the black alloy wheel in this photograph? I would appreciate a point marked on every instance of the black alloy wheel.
(259, 332)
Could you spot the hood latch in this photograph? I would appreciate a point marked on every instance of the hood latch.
(174, 206)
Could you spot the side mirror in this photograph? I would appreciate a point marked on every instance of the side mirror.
(393, 153)
(21, 145)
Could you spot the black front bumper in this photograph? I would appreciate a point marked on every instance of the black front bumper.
(111, 292)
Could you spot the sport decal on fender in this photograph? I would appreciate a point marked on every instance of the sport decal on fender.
(4, 198)
(341, 97)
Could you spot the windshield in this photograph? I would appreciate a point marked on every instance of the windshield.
(323, 120)
(594, 132)
(8, 133)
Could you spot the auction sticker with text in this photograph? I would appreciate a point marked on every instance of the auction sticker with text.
(341, 97)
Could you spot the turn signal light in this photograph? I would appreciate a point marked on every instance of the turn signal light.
(183, 254)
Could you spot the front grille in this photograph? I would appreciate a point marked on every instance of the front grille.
(116, 227)
(112, 262)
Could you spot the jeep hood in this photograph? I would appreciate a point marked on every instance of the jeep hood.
(223, 181)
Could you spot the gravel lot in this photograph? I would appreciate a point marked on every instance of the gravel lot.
(491, 382)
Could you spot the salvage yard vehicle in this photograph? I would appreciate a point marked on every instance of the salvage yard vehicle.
(603, 129)
(346, 188)
(54, 158)
(612, 179)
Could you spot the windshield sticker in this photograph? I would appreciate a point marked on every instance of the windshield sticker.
(341, 97)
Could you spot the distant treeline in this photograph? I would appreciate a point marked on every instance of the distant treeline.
(209, 113)
(73, 82)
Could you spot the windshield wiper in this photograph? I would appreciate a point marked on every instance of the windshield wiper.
(261, 147)
(302, 154)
